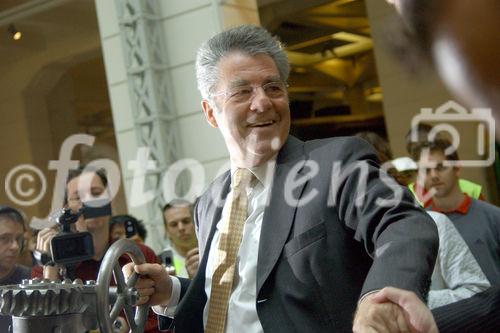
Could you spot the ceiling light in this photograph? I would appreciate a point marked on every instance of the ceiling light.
(16, 34)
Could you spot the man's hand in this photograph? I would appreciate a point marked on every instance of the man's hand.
(192, 262)
(417, 314)
(393, 310)
(379, 317)
(154, 284)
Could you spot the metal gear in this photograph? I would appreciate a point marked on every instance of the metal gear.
(44, 306)
(42, 298)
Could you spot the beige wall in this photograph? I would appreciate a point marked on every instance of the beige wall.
(41, 95)
(27, 131)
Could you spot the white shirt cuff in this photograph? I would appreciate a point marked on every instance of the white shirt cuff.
(168, 309)
(368, 294)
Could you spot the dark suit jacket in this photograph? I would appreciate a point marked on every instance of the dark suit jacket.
(314, 258)
(478, 314)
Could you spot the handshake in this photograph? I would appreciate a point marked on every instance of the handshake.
(387, 310)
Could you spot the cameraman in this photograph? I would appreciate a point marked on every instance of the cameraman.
(86, 185)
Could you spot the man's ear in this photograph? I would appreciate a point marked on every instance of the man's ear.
(208, 110)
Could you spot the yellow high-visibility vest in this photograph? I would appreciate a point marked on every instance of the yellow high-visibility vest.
(472, 189)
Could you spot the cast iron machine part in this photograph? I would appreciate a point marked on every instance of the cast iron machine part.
(43, 306)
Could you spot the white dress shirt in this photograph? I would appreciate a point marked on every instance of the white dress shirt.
(242, 312)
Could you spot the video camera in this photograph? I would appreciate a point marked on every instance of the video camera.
(69, 246)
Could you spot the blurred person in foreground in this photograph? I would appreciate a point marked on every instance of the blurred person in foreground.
(280, 250)
(460, 39)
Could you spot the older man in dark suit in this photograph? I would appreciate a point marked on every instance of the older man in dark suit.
(295, 232)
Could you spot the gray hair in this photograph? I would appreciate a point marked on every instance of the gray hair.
(248, 39)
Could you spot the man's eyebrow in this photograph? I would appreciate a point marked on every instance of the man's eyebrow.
(238, 83)
(242, 82)
(273, 78)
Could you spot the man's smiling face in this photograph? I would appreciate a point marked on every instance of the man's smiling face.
(254, 128)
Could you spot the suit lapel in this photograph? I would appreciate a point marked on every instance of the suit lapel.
(279, 216)
(277, 222)
(214, 209)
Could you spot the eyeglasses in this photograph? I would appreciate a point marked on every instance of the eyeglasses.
(241, 94)
(7, 240)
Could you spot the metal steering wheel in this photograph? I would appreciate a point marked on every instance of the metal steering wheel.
(126, 294)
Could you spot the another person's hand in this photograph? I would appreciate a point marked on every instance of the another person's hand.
(43, 239)
(393, 310)
(417, 314)
(192, 262)
(379, 317)
(43, 246)
(154, 284)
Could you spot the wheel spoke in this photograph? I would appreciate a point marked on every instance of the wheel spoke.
(132, 280)
(117, 307)
(129, 314)
(113, 302)
(119, 279)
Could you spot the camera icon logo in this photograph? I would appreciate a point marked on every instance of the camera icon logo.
(446, 118)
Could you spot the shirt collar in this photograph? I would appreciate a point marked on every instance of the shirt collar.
(263, 173)
(463, 208)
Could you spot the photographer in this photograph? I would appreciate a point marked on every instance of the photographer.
(180, 230)
(85, 185)
(127, 226)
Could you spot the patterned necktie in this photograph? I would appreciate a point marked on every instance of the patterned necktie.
(227, 251)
